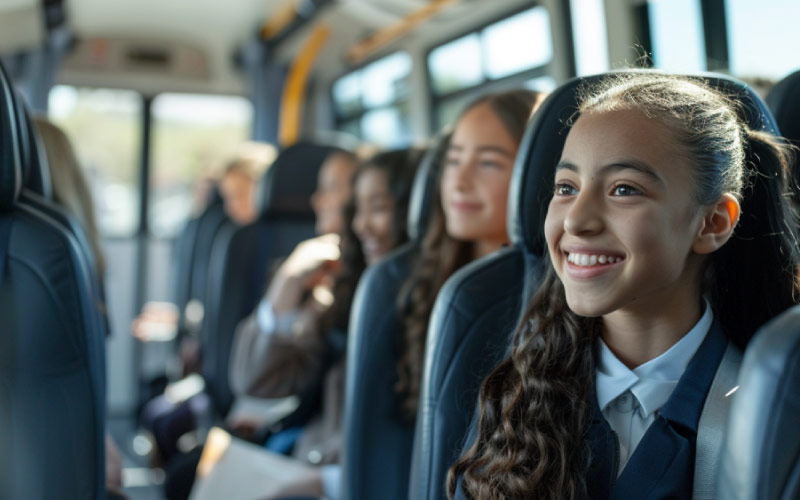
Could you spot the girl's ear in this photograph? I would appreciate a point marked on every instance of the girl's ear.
(717, 225)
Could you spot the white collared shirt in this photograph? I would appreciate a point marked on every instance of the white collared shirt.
(631, 399)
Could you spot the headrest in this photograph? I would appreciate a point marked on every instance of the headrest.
(35, 169)
(541, 146)
(10, 163)
(784, 101)
(424, 188)
(286, 188)
(215, 196)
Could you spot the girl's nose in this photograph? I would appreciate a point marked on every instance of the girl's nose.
(359, 225)
(464, 174)
(585, 215)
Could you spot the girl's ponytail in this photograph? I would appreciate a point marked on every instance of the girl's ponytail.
(753, 277)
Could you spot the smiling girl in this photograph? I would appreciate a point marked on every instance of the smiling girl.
(670, 234)
(468, 216)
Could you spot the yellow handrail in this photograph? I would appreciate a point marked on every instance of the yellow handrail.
(295, 87)
(385, 36)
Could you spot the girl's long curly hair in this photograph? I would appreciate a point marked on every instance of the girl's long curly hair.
(533, 413)
(441, 255)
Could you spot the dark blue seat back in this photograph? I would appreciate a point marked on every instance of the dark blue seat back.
(210, 223)
(182, 264)
(51, 352)
(190, 260)
(784, 101)
(38, 193)
(378, 441)
(242, 258)
(478, 309)
(761, 454)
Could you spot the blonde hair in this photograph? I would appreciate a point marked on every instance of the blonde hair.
(70, 187)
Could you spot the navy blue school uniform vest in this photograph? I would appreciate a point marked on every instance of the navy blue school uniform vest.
(662, 465)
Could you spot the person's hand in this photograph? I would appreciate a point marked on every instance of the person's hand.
(243, 427)
(312, 263)
(158, 321)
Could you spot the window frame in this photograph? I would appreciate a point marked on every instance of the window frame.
(437, 99)
(149, 100)
(339, 120)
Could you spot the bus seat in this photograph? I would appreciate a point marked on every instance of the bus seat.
(51, 359)
(377, 450)
(784, 101)
(37, 192)
(761, 454)
(182, 260)
(477, 310)
(190, 260)
(243, 257)
(36, 177)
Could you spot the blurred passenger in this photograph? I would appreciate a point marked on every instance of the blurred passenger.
(468, 219)
(310, 266)
(237, 187)
(381, 189)
(302, 352)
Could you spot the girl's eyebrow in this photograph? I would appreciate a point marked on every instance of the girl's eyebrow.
(489, 148)
(617, 166)
(565, 165)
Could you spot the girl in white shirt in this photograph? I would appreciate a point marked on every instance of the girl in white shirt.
(662, 195)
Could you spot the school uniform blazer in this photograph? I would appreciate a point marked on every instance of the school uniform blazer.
(662, 465)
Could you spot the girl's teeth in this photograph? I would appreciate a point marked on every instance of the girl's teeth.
(592, 260)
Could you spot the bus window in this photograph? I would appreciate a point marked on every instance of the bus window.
(105, 127)
(518, 43)
(676, 30)
(193, 137)
(514, 51)
(372, 102)
(347, 95)
(589, 36)
(762, 37)
(544, 84)
(385, 81)
(456, 65)
(387, 126)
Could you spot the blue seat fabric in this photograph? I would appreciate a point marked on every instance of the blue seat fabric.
(378, 441)
(51, 350)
